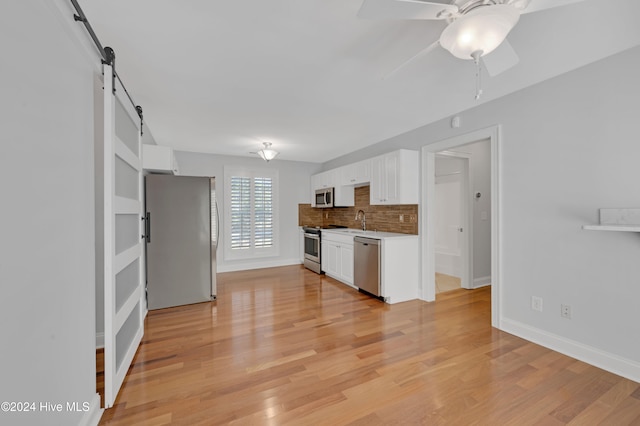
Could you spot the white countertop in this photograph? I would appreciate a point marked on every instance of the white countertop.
(368, 234)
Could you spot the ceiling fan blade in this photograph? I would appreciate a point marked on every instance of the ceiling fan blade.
(536, 5)
(501, 59)
(420, 54)
(405, 9)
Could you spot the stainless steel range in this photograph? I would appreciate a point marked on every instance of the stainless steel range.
(312, 247)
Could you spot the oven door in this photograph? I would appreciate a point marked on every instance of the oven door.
(312, 247)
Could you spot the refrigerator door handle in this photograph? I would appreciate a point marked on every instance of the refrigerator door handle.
(147, 223)
(217, 225)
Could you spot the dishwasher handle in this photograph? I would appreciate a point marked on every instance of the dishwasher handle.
(367, 241)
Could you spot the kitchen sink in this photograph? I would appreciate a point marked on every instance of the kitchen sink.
(360, 232)
(351, 231)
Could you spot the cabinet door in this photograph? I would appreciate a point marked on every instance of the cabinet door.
(362, 171)
(378, 182)
(324, 255)
(324, 180)
(314, 186)
(347, 175)
(333, 259)
(394, 178)
(346, 263)
(319, 181)
(391, 177)
(159, 159)
(356, 173)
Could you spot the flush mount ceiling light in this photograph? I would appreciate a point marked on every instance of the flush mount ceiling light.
(266, 153)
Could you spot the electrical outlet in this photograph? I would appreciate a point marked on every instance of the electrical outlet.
(401, 218)
(536, 303)
(413, 218)
(326, 215)
(565, 311)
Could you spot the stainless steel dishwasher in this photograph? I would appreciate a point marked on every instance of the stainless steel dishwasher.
(366, 265)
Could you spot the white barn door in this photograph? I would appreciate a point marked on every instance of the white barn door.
(124, 296)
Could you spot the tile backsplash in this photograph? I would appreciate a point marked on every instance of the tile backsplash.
(379, 218)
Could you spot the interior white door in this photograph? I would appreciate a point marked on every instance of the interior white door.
(452, 216)
(124, 296)
(448, 224)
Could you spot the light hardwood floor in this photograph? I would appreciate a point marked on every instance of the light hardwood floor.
(446, 283)
(287, 346)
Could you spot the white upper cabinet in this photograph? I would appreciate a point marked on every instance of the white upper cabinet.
(394, 178)
(159, 159)
(321, 181)
(324, 180)
(342, 197)
(356, 173)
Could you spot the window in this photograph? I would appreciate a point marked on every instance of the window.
(250, 213)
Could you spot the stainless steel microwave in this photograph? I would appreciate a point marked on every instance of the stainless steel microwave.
(324, 197)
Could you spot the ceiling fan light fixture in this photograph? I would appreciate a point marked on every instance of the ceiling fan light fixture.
(480, 30)
(266, 153)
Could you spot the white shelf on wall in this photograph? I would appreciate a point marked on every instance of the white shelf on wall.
(622, 228)
(620, 220)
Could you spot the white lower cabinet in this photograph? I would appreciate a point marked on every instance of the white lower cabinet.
(346, 263)
(337, 257)
(400, 266)
(399, 262)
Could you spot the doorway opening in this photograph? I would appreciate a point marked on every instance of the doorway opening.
(452, 226)
(462, 242)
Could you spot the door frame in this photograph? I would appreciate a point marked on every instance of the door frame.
(427, 219)
(466, 244)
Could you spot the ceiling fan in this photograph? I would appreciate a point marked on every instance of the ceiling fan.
(475, 28)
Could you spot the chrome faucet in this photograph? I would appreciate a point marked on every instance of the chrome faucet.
(364, 223)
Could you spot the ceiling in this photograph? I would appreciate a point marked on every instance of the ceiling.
(220, 76)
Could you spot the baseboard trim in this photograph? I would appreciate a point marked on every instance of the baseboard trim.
(93, 415)
(481, 282)
(607, 361)
(100, 340)
(246, 266)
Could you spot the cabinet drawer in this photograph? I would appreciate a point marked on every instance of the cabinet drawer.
(337, 238)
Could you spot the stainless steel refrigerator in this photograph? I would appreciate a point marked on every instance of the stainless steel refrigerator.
(182, 238)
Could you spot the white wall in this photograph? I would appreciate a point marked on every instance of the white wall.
(569, 146)
(47, 306)
(294, 178)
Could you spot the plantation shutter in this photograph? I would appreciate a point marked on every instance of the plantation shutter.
(251, 217)
(263, 215)
(240, 212)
